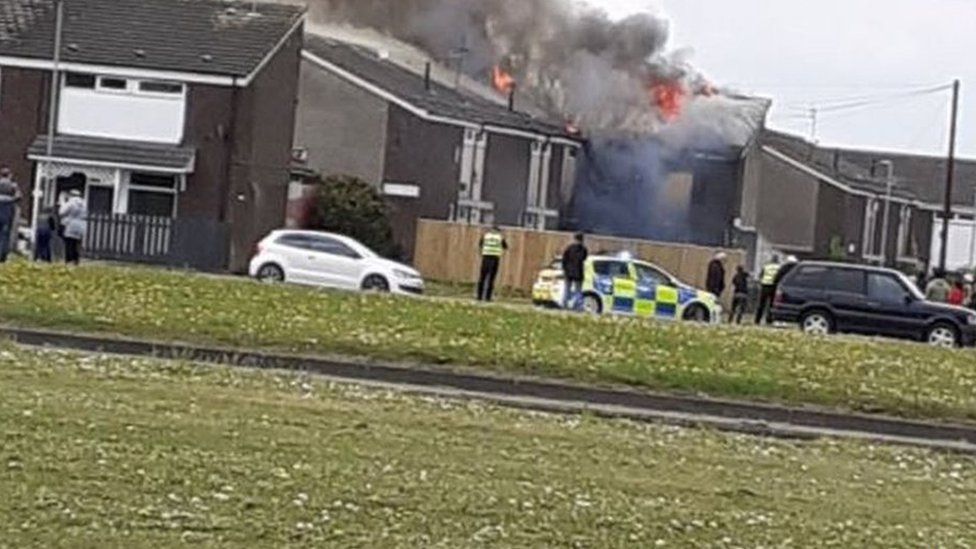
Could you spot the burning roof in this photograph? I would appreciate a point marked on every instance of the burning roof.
(570, 59)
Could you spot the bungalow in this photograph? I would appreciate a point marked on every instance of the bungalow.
(435, 150)
(173, 118)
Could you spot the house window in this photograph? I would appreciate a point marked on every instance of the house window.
(905, 232)
(79, 80)
(106, 83)
(152, 194)
(101, 199)
(871, 228)
(155, 86)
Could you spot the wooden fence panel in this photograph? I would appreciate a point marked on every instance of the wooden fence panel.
(449, 252)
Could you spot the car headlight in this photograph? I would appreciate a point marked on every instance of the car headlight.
(406, 275)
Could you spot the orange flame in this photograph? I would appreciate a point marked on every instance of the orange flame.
(501, 80)
(669, 99)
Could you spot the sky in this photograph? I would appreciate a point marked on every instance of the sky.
(806, 54)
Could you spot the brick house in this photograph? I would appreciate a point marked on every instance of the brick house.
(174, 118)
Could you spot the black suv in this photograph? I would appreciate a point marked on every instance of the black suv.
(828, 297)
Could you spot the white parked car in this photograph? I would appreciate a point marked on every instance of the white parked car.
(331, 260)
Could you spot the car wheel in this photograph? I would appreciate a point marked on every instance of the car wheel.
(592, 305)
(376, 283)
(271, 274)
(944, 336)
(817, 323)
(697, 313)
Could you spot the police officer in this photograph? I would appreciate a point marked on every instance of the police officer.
(493, 246)
(767, 292)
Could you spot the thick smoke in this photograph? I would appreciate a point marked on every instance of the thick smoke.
(568, 58)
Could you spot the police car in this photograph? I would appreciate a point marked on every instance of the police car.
(624, 286)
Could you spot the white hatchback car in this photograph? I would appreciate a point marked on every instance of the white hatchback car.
(324, 259)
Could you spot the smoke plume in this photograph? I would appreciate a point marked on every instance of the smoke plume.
(568, 58)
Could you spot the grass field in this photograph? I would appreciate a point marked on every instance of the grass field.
(903, 379)
(111, 452)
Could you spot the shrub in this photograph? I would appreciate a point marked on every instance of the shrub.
(350, 206)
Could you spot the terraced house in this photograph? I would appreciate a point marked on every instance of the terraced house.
(173, 117)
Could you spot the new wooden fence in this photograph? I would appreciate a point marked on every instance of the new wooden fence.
(449, 252)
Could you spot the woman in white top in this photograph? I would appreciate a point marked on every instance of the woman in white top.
(74, 219)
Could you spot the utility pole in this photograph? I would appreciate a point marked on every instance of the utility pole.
(813, 124)
(886, 222)
(48, 167)
(950, 176)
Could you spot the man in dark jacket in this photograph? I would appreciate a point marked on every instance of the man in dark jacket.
(740, 296)
(574, 259)
(715, 281)
(9, 197)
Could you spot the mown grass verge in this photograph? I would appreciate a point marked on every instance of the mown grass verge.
(901, 379)
(114, 452)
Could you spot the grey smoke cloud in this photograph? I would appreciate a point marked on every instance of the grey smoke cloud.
(569, 58)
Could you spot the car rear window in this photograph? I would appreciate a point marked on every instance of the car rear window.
(849, 281)
(808, 277)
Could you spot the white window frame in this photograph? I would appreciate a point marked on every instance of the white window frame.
(126, 186)
(100, 88)
(905, 233)
(869, 247)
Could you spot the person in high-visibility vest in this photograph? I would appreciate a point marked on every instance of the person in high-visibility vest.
(770, 278)
(767, 292)
(493, 247)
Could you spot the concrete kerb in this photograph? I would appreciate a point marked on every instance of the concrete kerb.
(535, 394)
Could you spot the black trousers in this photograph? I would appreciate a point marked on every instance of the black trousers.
(72, 250)
(740, 302)
(764, 313)
(489, 272)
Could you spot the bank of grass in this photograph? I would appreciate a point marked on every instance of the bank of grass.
(113, 452)
(459, 290)
(781, 366)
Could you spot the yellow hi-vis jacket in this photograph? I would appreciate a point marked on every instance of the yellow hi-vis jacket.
(769, 274)
(492, 245)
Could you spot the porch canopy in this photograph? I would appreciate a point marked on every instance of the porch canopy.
(114, 153)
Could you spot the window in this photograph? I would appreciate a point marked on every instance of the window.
(613, 269)
(151, 180)
(848, 281)
(809, 277)
(100, 199)
(150, 203)
(331, 246)
(299, 241)
(648, 273)
(112, 84)
(155, 86)
(885, 288)
(79, 80)
(152, 194)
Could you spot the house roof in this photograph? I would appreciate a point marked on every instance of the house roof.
(437, 100)
(215, 37)
(920, 176)
(115, 152)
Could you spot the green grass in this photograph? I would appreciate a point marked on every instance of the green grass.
(780, 366)
(458, 290)
(112, 452)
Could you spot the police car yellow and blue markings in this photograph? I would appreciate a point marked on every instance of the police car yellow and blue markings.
(644, 298)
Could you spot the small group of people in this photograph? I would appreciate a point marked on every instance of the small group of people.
(771, 276)
(69, 222)
(957, 289)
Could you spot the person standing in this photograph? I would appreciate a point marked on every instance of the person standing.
(957, 295)
(74, 218)
(767, 292)
(9, 198)
(46, 229)
(740, 295)
(493, 247)
(574, 258)
(715, 280)
(937, 290)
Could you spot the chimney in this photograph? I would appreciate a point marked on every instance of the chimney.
(427, 76)
(511, 98)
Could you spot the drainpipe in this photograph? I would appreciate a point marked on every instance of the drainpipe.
(230, 141)
(48, 168)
